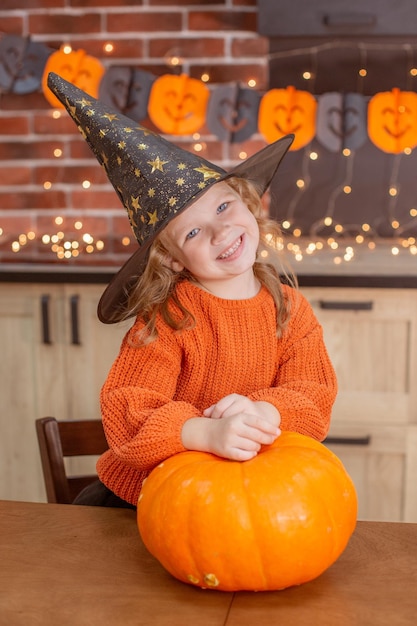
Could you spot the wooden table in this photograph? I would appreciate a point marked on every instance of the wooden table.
(63, 565)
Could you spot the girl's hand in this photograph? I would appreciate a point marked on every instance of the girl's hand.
(237, 429)
(234, 404)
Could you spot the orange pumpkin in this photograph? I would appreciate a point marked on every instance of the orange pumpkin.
(178, 104)
(392, 120)
(284, 111)
(278, 520)
(76, 67)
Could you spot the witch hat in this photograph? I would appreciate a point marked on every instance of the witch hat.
(153, 178)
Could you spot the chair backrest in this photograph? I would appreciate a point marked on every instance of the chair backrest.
(60, 439)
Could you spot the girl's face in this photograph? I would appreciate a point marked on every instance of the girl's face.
(216, 240)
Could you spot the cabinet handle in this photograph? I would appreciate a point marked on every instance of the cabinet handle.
(349, 441)
(46, 337)
(75, 335)
(338, 305)
(349, 19)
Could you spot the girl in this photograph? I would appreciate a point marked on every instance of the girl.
(222, 355)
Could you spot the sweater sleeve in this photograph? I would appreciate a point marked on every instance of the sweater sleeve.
(141, 419)
(305, 386)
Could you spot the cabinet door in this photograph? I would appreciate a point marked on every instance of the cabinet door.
(90, 349)
(55, 357)
(376, 460)
(21, 373)
(371, 339)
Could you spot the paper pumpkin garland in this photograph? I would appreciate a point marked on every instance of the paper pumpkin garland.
(232, 113)
(284, 111)
(21, 64)
(341, 121)
(127, 89)
(78, 68)
(392, 120)
(178, 104)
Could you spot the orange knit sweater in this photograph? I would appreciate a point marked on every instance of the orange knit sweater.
(151, 391)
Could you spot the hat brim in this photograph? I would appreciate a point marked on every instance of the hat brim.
(259, 169)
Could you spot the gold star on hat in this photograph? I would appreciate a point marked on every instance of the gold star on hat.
(136, 161)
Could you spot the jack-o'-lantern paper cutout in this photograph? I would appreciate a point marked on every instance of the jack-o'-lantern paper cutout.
(341, 121)
(178, 104)
(392, 120)
(284, 111)
(232, 113)
(76, 67)
(127, 89)
(21, 64)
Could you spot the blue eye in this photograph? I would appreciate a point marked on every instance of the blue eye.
(222, 207)
(192, 233)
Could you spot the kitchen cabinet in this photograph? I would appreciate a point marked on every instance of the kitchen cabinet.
(371, 336)
(55, 357)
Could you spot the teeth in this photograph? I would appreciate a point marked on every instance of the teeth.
(231, 250)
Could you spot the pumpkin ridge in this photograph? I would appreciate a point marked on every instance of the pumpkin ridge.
(255, 537)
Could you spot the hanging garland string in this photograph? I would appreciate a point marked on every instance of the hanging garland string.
(389, 117)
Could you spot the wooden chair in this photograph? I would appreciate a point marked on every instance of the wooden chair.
(60, 439)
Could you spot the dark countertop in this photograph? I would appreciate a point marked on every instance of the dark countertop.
(31, 273)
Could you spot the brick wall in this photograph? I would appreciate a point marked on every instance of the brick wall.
(213, 36)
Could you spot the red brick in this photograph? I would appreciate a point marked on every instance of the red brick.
(33, 200)
(144, 22)
(12, 25)
(70, 174)
(250, 47)
(188, 48)
(15, 175)
(64, 23)
(14, 125)
(185, 3)
(29, 103)
(95, 199)
(45, 124)
(123, 49)
(222, 20)
(83, 4)
(29, 150)
(27, 5)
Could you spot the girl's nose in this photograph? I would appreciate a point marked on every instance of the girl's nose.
(220, 232)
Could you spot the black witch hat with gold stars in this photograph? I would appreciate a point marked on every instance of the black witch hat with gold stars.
(153, 178)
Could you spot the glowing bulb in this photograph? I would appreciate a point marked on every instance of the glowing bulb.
(313, 156)
(108, 47)
(205, 77)
(47, 184)
(300, 183)
(347, 189)
(57, 152)
(66, 48)
(395, 251)
(393, 191)
(86, 184)
(252, 83)
(362, 72)
(307, 75)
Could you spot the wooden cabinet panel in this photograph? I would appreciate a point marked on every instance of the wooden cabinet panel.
(372, 341)
(373, 351)
(51, 364)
